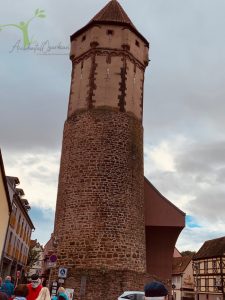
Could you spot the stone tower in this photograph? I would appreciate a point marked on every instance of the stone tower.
(99, 222)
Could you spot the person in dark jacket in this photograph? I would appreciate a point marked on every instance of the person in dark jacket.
(7, 286)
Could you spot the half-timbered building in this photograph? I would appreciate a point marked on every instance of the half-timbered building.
(209, 270)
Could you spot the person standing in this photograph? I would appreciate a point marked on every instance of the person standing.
(3, 296)
(20, 292)
(61, 294)
(34, 287)
(7, 286)
(44, 294)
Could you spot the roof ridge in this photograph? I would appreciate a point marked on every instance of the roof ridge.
(211, 248)
(168, 201)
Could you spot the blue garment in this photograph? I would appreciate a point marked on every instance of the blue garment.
(7, 287)
(64, 295)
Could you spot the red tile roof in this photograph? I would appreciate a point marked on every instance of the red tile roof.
(180, 264)
(112, 14)
(211, 248)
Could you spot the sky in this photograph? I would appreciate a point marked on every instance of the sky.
(184, 142)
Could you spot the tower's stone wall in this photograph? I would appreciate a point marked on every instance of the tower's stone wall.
(100, 206)
(100, 220)
(105, 284)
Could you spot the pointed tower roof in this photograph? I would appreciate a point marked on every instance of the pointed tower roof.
(112, 14)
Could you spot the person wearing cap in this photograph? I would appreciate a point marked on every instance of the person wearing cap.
(155, 290)
(34, 287)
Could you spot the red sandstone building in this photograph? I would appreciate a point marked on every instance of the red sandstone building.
(113, 230)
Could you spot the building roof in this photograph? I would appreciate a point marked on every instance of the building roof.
(20, 192)
(36, 244)
(211, 248)
(2, 169)
(17, 193)
(13, 180)
(33, 243)
(159, 211)
(18, 201)
(180, 264)
(112, 14)
(176, 253)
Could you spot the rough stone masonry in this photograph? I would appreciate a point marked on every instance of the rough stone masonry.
(99, 221)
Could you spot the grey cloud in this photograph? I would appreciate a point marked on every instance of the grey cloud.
(50, 178)
(220, 175)
(179, 85)
(202, 158)
(200, 176)
(184, 90)
(209, 205)
(193, 238)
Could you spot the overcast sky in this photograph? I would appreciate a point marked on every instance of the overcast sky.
(183, 103)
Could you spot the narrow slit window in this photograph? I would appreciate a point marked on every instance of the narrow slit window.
(137, 43)
(110, 32)
(83, 38)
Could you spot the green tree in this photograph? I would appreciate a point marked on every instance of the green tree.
(23, 26)
(33, 257)
(188, 253)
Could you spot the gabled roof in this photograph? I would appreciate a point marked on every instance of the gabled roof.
(111, 14)
(211, 248)
(5, 182)
(180, 264)
(176, 253)
(159, 211)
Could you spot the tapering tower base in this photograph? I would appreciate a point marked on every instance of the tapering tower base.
(91, 284)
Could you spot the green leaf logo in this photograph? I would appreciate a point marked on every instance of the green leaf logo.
(23, 26)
